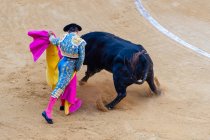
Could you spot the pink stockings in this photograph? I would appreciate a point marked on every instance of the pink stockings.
(50, 106)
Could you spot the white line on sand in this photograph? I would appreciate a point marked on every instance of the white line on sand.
(148, 17)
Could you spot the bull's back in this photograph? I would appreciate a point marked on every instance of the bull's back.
(102, 48)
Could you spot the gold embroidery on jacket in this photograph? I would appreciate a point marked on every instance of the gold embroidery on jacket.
(76, 40)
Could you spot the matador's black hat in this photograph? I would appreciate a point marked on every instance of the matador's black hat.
(72, 25)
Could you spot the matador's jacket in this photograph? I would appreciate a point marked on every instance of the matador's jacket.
(73, 50)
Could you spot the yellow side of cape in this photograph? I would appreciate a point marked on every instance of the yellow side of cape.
(52, 59)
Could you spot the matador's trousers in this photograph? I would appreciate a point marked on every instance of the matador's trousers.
(66, 68)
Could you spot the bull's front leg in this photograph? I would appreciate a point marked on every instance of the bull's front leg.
(119, 97)
(121, 93)
(90, 72)
(86, 77)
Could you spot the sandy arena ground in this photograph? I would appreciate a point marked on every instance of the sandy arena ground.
(181, 113)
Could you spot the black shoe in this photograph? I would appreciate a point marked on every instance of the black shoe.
(61, 108)
(46, 118)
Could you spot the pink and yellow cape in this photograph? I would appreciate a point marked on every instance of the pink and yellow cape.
(41, 43)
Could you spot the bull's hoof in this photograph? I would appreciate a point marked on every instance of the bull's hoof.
(109, 107)
(158, 92)
(149, 94)
(81, 83)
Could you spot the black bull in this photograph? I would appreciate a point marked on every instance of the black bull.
(129, 62)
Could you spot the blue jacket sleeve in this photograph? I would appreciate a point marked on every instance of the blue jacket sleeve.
(81, 53)
(55, 41)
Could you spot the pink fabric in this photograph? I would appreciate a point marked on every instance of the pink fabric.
(59, 53)
(38, 46)
(70, 95)
(50, 106)
(74, 107)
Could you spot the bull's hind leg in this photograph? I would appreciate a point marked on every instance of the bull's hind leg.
(150, 81)
(121, 92)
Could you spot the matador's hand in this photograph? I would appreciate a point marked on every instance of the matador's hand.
(50, 33)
